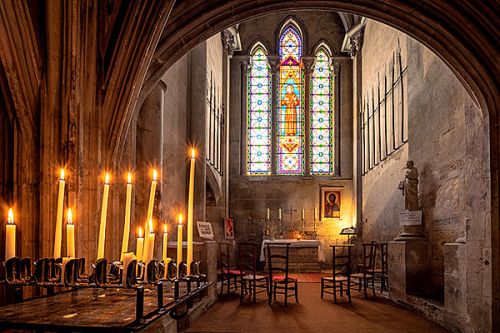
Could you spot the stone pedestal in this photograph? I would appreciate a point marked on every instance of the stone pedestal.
(408, 262)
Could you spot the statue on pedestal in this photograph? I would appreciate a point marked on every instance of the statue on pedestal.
(409, 187)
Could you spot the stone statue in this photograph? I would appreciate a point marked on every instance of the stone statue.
(409, 187)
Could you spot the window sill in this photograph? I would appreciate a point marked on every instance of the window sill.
(276, 178)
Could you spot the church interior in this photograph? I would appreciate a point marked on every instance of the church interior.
(249, 166)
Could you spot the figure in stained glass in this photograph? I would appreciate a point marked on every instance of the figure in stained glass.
(290, 102)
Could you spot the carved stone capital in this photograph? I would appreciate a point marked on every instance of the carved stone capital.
(308, 62)
(356, 42)
(274, 61)
(231, 40)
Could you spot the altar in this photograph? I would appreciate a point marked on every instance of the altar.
(305, 255)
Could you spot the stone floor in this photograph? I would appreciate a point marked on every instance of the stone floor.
(311, 315)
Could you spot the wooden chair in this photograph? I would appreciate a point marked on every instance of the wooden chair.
(341, 273)
(367, 269)
(226, 270)
(251, 281)
(281, 282)
(381, 273)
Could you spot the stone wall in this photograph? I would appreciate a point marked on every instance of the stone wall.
(251, 196)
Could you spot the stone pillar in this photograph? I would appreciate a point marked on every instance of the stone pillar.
(455, 286)
(244, 63)
(308, 64)
(274, 64)
(198, 127)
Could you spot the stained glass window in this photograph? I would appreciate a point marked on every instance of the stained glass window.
(321, 131)
(259, 114)
(290, 117)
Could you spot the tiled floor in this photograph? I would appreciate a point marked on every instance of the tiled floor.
(312, 314)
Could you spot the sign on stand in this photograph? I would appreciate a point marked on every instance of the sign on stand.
(410, 217)
(205, 230)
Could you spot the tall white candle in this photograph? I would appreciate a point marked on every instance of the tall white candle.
(190, 214)
(279, 214)
(59, 217)
(152, 194)
(140, 245)
(70, 235)
(268, 213)
(165, 243)
(126, 225)
(315, 214)
(10, 236)
(179, 244)
(303, 214)
(102, 227)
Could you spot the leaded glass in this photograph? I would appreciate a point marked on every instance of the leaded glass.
(259, 115)
(321, 131)
(290, 118)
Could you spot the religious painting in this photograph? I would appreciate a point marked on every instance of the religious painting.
(228, 228)
(290, 104)
(331, 203)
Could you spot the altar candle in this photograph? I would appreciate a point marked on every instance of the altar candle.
(127, 258)
(179, 244)
(165, 243)
(102, 227)
(150, 240)
(268, 213)
(70, 235)
(279, 214)
(152, 194)
(126, 225)
(10, 236)
(190, 214)
(315, 214)
(140, 245)
(59, 217)
(303, 214)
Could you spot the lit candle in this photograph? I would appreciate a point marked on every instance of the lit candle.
(152, 193)
(279, 214)
(59, 217)
(104, 211)
(10, 236)
(150, 240)
(190, 214)
(268, 213)
(126, 225)
(179, 244)
(165, 243)
(140, 245)
(70, 235)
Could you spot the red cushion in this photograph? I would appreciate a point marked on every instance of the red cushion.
(232, 271)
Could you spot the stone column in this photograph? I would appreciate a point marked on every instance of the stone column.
(274, 64)
(244, 63)
(308, 64)
(198, 127)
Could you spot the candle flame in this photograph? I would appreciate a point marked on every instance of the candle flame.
(62, 174)
(129, 178)
(180, 218)
(155, 174)
(70, 216)
(106, 180)
(10, 216)
(193, 153)
(139, 232)
(164, 228)
(151, 230)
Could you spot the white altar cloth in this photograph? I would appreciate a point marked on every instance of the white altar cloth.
(293, 243)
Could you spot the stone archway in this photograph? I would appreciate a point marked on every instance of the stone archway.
(460, 34)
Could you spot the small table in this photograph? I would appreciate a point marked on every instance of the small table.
(302, 253)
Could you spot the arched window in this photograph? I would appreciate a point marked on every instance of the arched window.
(321, 117)
(290, 115)
(259, 114)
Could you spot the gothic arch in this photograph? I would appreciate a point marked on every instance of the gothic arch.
(297, 23)
(262, 43)
(323, 43)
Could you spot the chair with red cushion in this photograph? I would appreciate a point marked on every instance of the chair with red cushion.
(226, 270)
(252, 281)
(281, 282)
